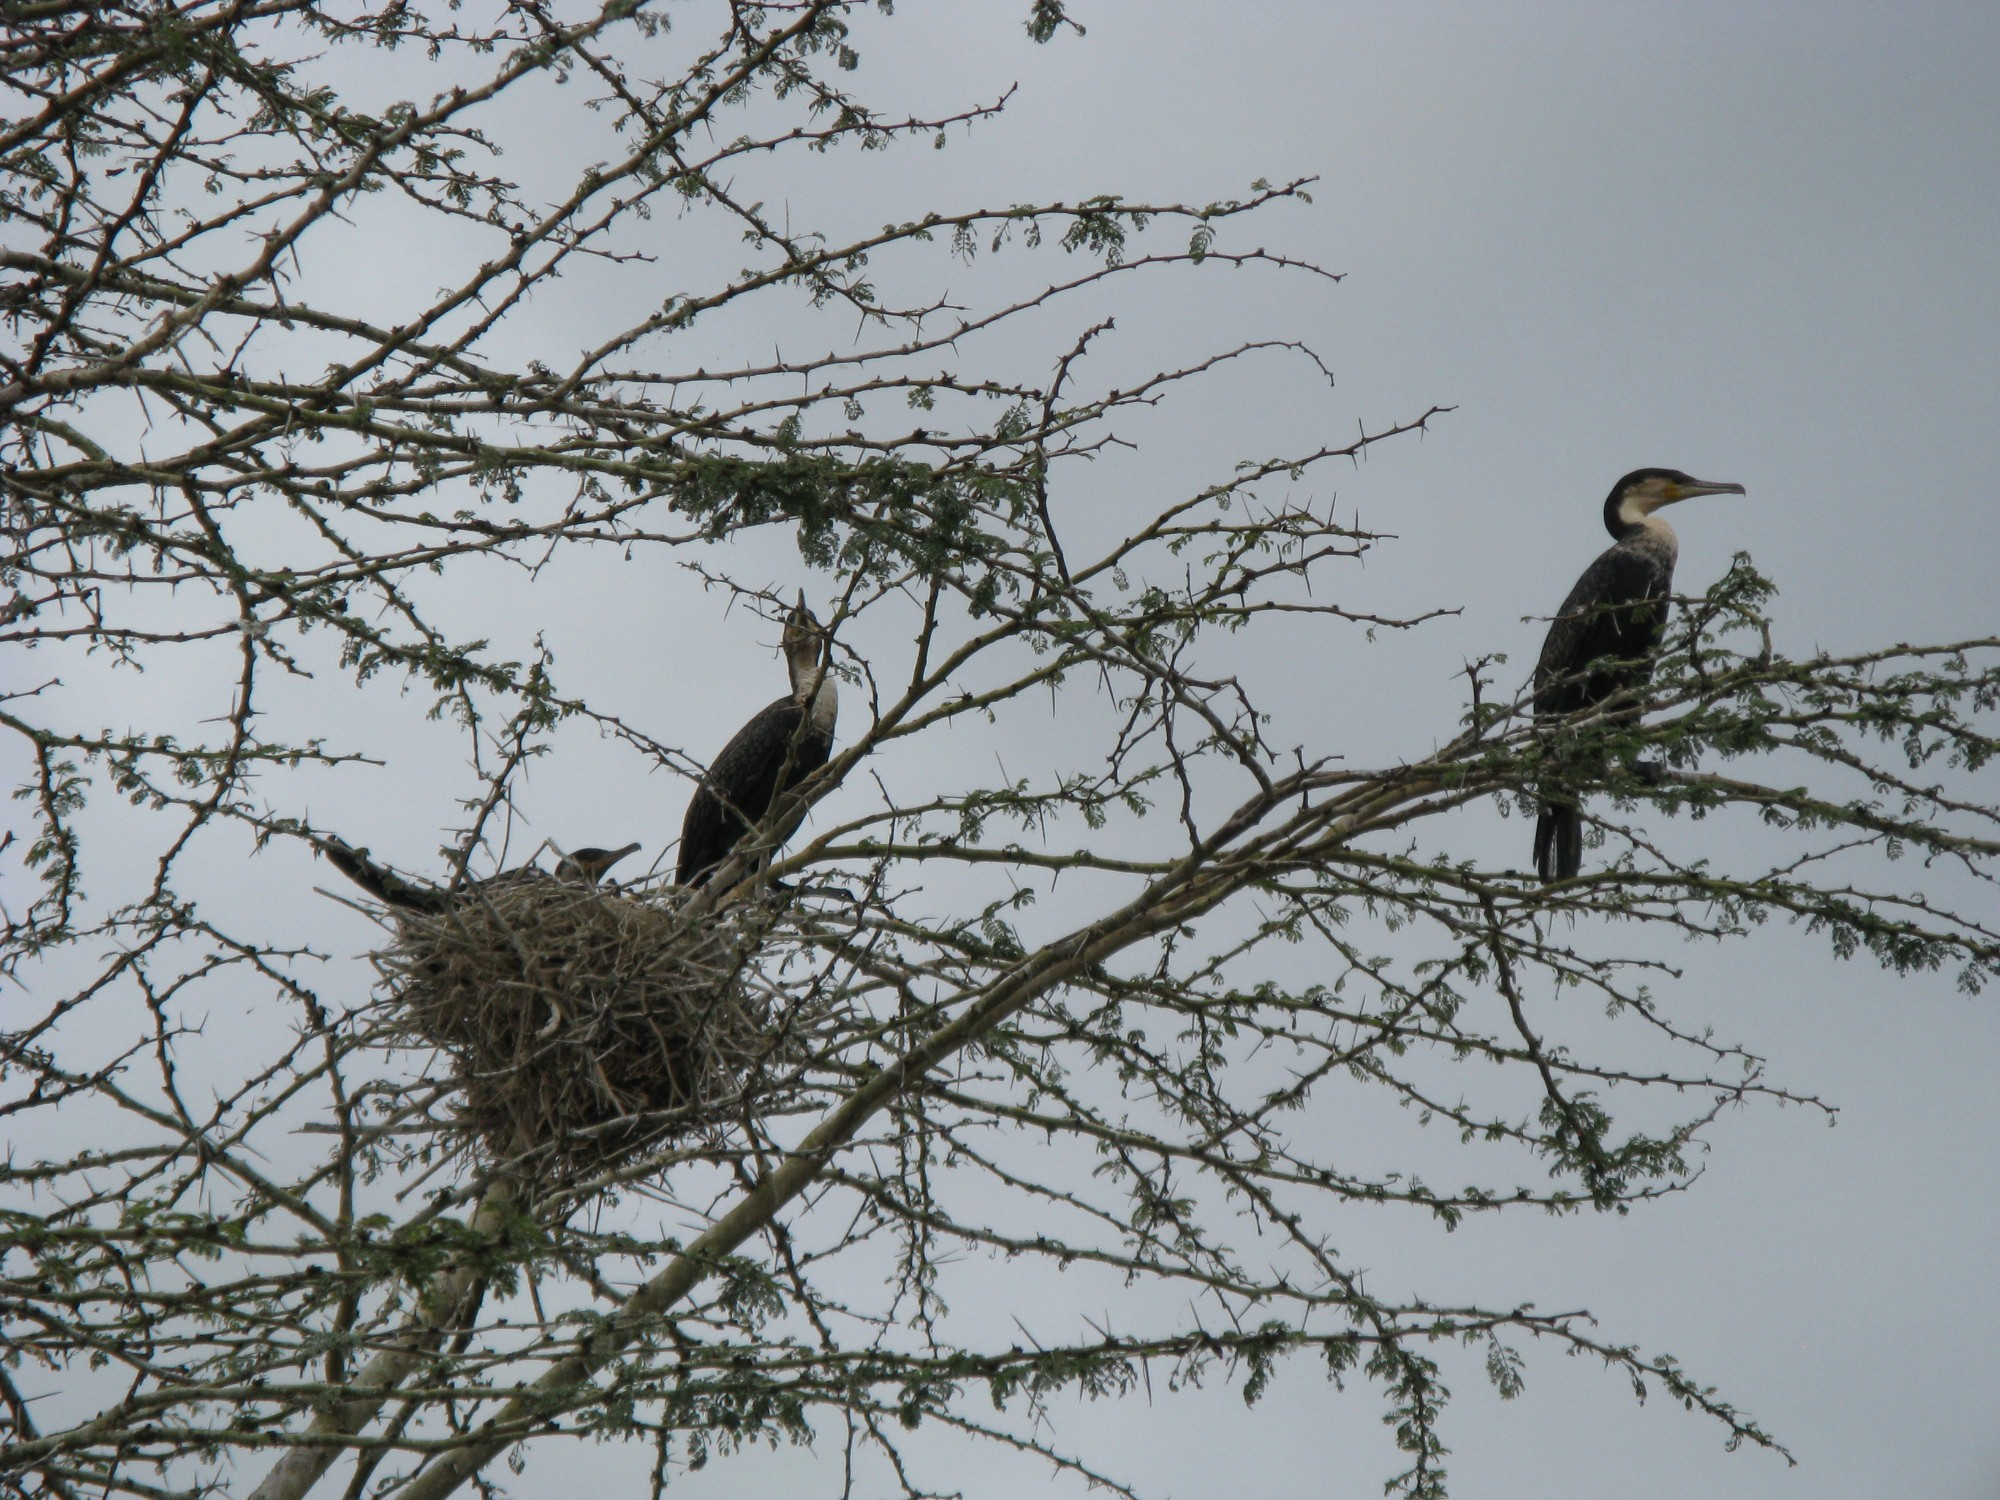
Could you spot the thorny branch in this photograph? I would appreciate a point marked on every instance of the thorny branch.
(262, 1254)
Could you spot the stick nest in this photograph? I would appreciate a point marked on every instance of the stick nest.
(583, 1024)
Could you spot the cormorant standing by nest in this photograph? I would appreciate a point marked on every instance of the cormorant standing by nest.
(579, 866)
(1604, 639)
(779, 748)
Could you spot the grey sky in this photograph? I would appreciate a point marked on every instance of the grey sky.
(1761, 244)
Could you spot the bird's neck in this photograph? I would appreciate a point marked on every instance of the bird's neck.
(814, 687)
(1650, 532)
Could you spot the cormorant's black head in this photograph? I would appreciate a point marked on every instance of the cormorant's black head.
(589, 865)
(1644, 491)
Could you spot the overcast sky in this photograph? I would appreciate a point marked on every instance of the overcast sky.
(1758, 243)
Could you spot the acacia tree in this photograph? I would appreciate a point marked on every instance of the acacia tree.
(228, 465)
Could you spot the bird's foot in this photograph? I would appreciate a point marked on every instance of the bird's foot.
(1651, 773)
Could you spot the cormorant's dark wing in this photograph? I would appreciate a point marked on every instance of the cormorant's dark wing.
(1616, 613)
(770, 755)
(1617, 610)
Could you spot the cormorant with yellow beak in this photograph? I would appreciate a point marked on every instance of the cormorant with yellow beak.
(1602, 643)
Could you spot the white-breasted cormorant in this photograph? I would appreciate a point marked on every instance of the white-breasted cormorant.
(779, 748)
(584, 866)
(1602, 642)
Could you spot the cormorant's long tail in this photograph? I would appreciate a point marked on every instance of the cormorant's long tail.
(385, 886)
(1559, 841)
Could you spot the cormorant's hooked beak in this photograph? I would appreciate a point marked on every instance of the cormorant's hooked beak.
(612, 856)
(1677, 492)
(800, 624)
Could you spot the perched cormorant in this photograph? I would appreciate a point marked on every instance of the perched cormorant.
(779, 748)
(1604, 638)
(583, 866)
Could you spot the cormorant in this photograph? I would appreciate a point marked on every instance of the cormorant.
(1603, 640)
(584, 866)
(779, 748)
(590, 865)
